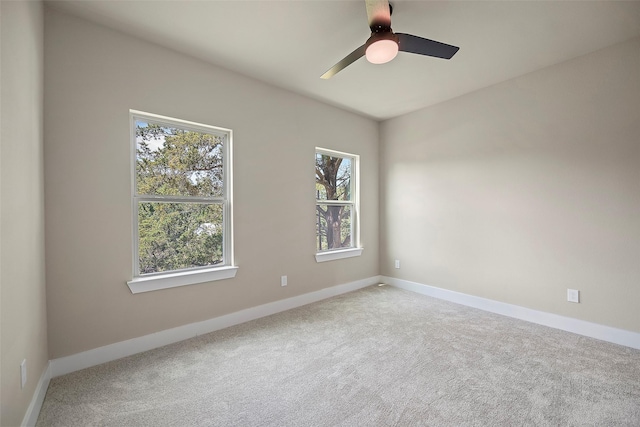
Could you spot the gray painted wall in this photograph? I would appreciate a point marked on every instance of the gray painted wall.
(524, 189)
(22, 265)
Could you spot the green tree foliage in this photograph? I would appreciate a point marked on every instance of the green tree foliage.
(333, 182)
(174, 162)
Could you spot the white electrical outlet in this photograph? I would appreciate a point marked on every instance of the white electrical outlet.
(23, 373)
(573, 295)
(397, 263)
(283, 281)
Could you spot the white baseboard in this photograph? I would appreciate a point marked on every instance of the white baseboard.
(580, 327)
(31, 416)
(97, 356)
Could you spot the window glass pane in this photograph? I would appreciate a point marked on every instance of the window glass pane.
(177, 162)
(333, 227)
(333, 177)
(174, 236)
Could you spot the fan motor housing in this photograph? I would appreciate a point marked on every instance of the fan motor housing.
(382, 35)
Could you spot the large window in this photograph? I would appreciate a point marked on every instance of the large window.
(181, 202)
(337, 205)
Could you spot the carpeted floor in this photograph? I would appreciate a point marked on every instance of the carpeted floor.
(380, 356)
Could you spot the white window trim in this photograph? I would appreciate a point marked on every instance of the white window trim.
(176, 278)
(356, 250)
(338, 254)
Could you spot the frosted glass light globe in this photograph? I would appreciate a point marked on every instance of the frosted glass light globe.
(381, 51)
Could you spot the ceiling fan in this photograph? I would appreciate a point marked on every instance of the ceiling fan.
(384, 44)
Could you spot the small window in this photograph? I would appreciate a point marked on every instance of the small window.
(337, 205)
(181, 202)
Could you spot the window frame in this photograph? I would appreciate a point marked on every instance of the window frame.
(193, 275)
(354, 188)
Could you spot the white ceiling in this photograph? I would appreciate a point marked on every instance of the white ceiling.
(291, 43)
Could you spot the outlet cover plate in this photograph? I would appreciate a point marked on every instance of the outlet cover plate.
(23, 373)
(573, 295)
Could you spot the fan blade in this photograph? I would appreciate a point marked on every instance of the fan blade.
(348, 60)
(415, 44)
(379, 13)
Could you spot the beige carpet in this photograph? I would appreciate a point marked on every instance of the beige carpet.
(380, 356)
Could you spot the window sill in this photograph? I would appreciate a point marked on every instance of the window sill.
(340, 254)
(183, 278)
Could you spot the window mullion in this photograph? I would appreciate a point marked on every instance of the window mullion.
(335, 202)
(178, 199)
